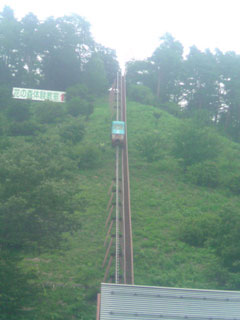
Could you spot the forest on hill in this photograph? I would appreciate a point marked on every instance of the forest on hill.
(203, 83)
(56, 163)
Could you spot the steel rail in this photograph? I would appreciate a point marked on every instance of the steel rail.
(123, 201)
(128, 248)
(117, 254)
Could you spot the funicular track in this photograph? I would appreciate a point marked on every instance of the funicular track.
(119, 203)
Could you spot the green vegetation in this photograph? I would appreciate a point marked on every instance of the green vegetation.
(185, 213)
(205, 83)
(51, 188)
(54, 54)
(57, 163)
(53, 209)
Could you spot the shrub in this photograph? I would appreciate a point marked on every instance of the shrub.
(196, 230)
(17, 287)
(73, 131)
(5, 97)
(78, 91)
(77, 106)
(205, 174)
(141, 93)
(4, 143)
(169, 164)
(226, 241)
(49, 112)
(194, 144)
(234, 185)
(150, 147)
(219, 232)
(89, 157)
(25, 128)
(3, 124)
(172, 108)
(18, 111)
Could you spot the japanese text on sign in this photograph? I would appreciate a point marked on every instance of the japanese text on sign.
(38, 95)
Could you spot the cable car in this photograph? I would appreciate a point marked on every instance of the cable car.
(118, 133)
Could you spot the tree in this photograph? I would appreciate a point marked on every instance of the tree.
(161, 72)
(11, 65)
(30, 50)
(67, 45)
(167, 63)
(202, 86)
(54, 54)
(95, 76)
(109, 59)
(229, 114)
(140, 72)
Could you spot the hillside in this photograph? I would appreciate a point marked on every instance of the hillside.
(175, 221)
(57, 163)
(167, 208)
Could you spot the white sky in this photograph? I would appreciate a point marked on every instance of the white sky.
(133, 27)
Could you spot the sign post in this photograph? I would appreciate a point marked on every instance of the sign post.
(38, 95)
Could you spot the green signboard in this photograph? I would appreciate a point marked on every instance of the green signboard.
(38, 95)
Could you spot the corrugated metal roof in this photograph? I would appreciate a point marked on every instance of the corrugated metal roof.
(130, 302)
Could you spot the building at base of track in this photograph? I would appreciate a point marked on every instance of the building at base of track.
(131, 302)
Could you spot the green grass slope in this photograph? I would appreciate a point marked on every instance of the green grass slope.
(165, 206)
